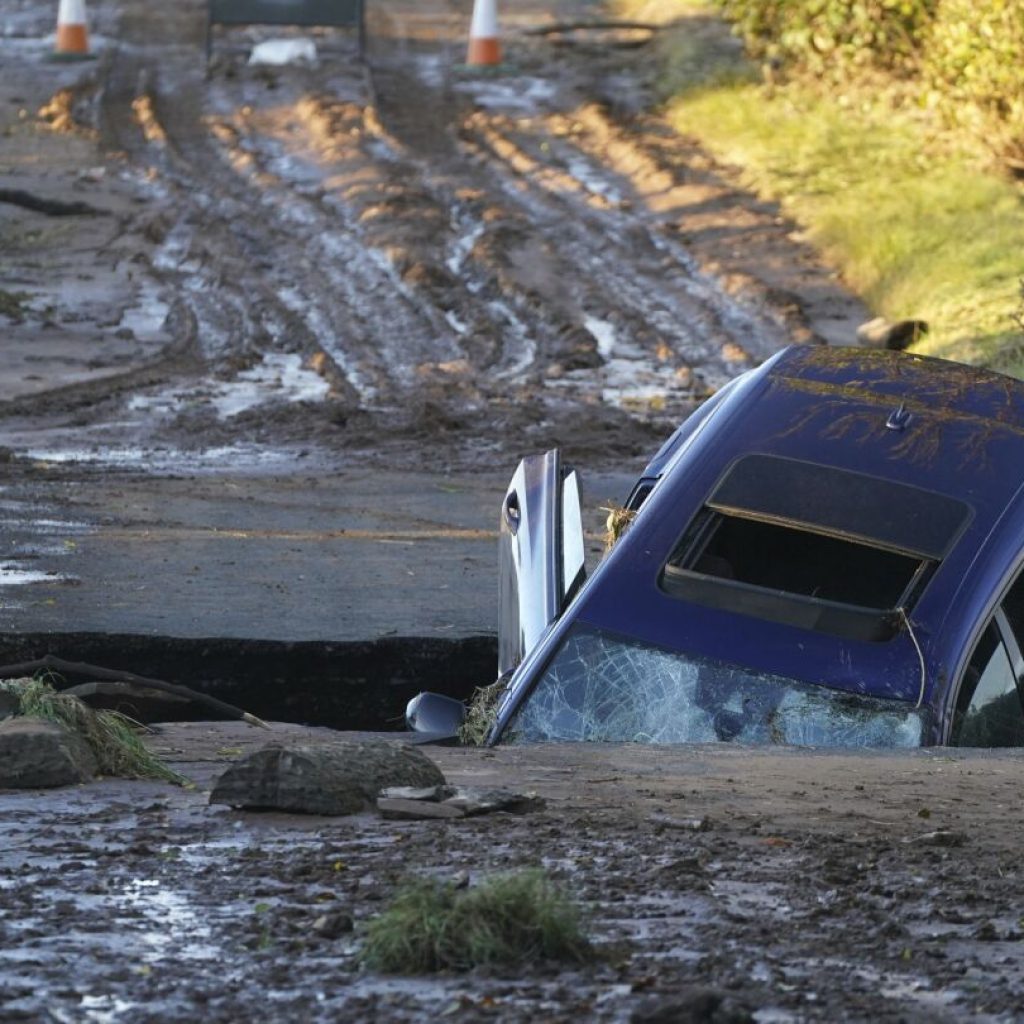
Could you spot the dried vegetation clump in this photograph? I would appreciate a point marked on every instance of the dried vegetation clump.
(112, 737)
(481, 714)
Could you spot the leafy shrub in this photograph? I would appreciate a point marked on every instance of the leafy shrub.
(830, 36)
(961, 58)
(972, 70)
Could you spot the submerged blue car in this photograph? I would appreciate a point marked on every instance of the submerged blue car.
(828, 552)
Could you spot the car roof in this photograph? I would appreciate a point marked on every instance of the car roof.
(926, 426)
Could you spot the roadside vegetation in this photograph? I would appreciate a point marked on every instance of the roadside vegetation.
(510, 920)
(893, 132)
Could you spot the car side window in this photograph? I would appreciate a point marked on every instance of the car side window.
(989, 711)
(1013, 606)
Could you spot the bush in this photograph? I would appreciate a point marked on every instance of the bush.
(972, 70)
(510, 920)
(832, 36)
(961, 58)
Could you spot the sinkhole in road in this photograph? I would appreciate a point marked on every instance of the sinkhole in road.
(349, 685)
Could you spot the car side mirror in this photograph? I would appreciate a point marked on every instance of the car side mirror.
(435, 714)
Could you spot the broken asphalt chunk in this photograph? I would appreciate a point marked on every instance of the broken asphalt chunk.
(416, 810)
(37, 754)
(331, 778)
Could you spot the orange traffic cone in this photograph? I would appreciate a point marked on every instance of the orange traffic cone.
(484, 46)
(72, 32)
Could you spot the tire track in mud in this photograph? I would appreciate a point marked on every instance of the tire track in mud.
(450, 265)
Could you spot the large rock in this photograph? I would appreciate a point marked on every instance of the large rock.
(339, 777)
(36, 754)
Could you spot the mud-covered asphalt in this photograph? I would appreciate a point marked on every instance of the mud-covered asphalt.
(397, 260)
(797, 886)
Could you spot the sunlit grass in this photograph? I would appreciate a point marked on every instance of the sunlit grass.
(915, 225)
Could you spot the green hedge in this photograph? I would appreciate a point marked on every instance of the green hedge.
(965, 58)
(833, 35)
(973, 70)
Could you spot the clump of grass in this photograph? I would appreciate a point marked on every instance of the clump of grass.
(12, 305)
(481, 713)
(507, 921)
(112, 737)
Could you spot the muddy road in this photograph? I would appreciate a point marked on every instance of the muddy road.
(776, 886)
(395, 261)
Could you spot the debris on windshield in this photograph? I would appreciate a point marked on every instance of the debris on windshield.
(618, 522)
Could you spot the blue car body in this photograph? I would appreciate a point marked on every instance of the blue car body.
(903, 475)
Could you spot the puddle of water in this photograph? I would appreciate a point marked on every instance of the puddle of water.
(15, 576)
(279, 377)
(462, 247)
(158, 460)
(519, 362)
(604, 335)
(178, 929)
(522, 93)
(105, 1009)
(589, 177)
(431, 68)
(752, 899)
(147, 316)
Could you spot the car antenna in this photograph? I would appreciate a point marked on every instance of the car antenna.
(920, 653)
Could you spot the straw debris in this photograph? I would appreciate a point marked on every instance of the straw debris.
(481, 714)
(112, 737)
(618, 522)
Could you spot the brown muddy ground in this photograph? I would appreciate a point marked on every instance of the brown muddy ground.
(796, 886)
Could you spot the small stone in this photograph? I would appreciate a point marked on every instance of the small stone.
(333, 925)
(683, 824)
(698, 1005)
(413, 810)
(940, 837)
(9, 704)
(36, 754)
(879, 333)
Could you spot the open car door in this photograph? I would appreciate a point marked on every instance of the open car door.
(541, 554)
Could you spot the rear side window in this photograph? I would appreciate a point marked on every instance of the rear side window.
(989, 711)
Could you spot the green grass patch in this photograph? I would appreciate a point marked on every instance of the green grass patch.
(113, 738)
(12, 305)
(913, 222)
(510, 920)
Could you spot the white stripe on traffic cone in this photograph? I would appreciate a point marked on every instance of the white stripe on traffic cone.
(72, 32)
(484, 45)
